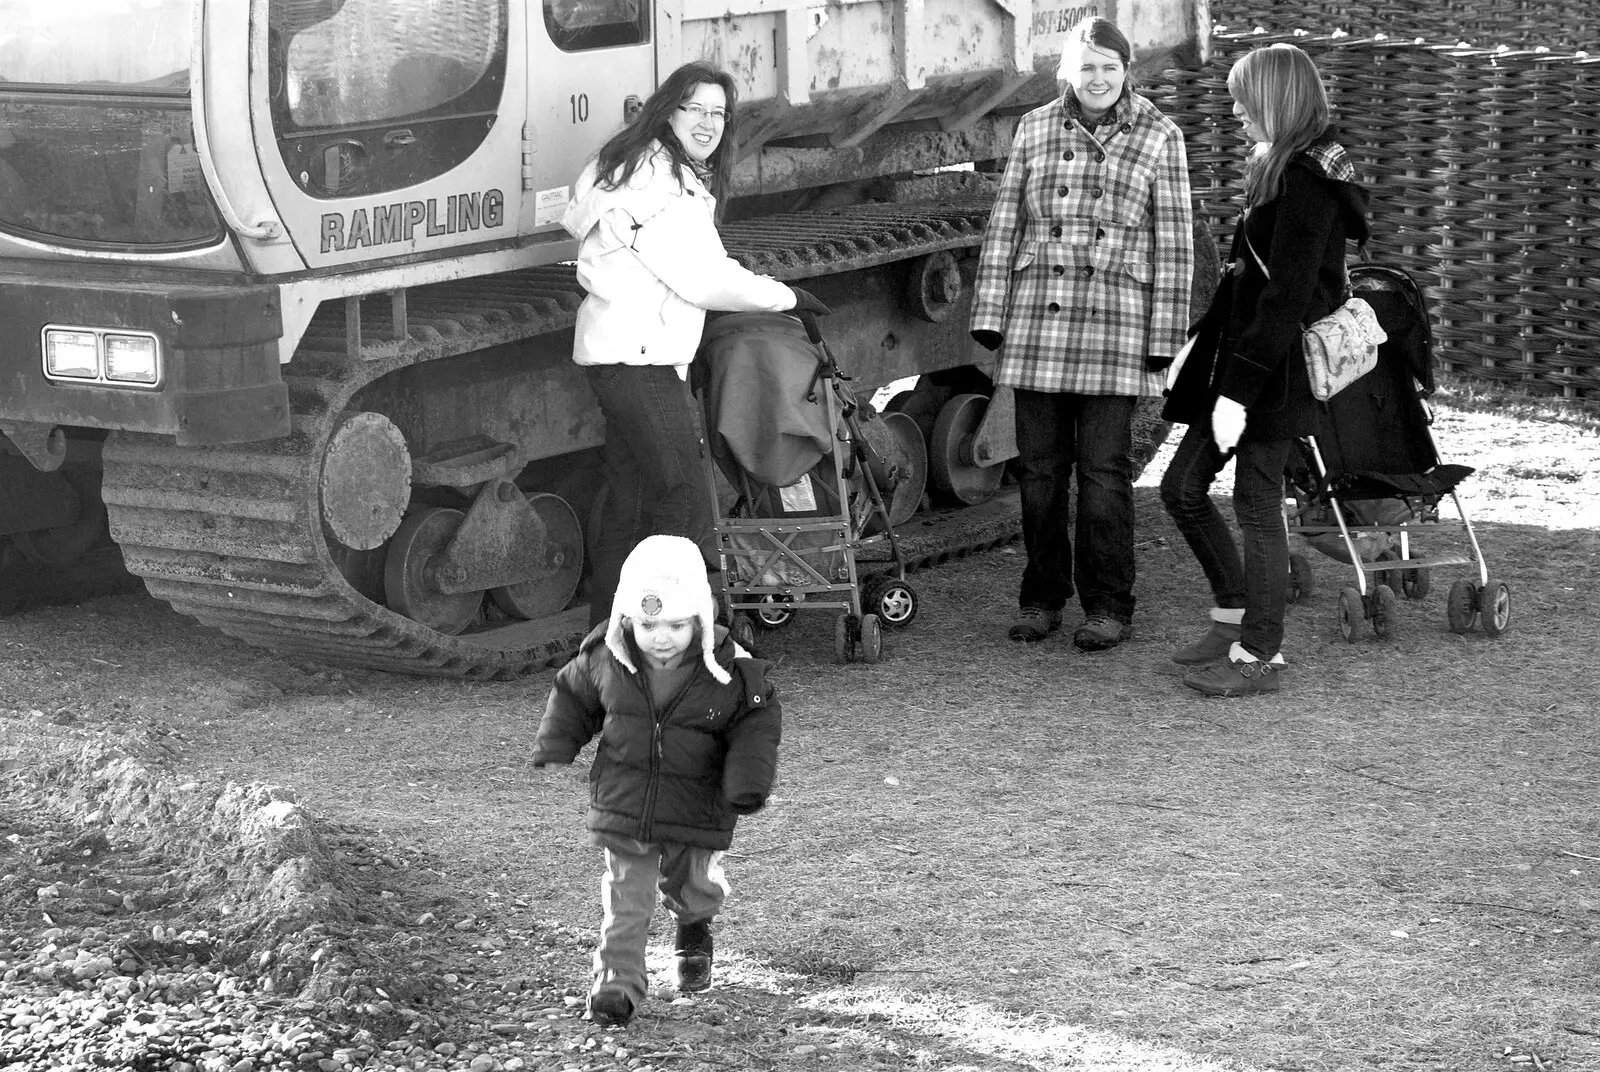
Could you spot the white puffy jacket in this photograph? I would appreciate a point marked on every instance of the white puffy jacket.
(653, 264)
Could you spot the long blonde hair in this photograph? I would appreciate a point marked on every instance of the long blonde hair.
(1279, 88)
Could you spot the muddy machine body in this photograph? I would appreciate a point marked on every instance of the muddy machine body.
(286, 307)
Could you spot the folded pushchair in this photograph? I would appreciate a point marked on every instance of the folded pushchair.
(1370, 481)
(814, 477)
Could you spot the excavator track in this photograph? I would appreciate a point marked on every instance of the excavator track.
(233, 535)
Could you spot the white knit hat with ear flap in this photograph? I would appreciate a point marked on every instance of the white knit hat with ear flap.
(664, 577)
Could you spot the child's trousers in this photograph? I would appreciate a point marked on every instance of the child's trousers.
(692, 886)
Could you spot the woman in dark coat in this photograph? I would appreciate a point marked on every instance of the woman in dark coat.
(1242, 388)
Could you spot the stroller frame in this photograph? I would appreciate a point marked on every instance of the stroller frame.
(1420, 492)
(750, 546)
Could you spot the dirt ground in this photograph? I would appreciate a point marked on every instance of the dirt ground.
(979, 856)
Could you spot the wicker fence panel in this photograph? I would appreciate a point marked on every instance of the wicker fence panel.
(1565, 25)
(1482, 166)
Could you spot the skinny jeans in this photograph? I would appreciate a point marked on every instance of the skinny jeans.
(1252, 572)
(1094, 434)
(692, 886)
(655, 478)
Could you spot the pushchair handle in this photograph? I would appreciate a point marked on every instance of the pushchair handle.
(808, 320)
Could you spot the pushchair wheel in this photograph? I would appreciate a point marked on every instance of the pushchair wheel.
(1461, 606)
(894, 601)
(1392, 578)
(1385, 611)
(1351, 614)
(1301, 581)
(844, 639)
(1494, 607)
(744, 632)
(775, 613)
(871, 646)
(1416, 583)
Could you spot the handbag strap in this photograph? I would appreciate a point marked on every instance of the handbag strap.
(1349, 290)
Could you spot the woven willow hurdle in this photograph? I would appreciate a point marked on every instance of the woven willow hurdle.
(1481, 162)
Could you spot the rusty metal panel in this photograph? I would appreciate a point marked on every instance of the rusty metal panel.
(795, 50)
(838, 73)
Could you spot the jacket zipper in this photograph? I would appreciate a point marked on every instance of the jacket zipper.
(653, 783)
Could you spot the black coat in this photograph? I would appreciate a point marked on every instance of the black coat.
(681, 773)
(1248, 345)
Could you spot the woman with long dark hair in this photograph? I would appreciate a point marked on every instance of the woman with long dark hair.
(1243, 389)
(645, 209)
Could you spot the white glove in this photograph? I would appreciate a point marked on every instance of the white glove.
(1177, 363)
(1227, 423)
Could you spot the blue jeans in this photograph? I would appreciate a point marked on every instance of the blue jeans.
(1094, 433)
(1257, 579)
(655, 479)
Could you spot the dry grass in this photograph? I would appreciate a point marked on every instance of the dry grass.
(993, 856)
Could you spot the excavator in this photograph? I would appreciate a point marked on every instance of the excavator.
(286, 305)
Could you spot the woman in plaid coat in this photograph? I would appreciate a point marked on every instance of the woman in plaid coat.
(1083, 288)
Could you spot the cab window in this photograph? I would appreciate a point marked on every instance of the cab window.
(375, 95)
(580, 25)
(97, 146)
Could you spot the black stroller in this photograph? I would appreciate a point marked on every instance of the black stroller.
(815, 479)
(1370, 481)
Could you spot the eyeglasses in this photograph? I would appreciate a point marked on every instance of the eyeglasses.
(702, 113)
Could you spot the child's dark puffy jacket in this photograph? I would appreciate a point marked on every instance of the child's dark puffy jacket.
(681, 774)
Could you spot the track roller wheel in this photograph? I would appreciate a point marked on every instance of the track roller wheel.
(407, 575)
(1351, 614)
(871, 647)
(899, 442)
(950, 464)
(67, 543)
(1494, 607)
(921, 405)
(563, 558)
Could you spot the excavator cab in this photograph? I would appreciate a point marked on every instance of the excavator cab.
(399, 127)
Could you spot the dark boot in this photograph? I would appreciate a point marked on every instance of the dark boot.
(1210, 646)
(609, 1005)
(1034, 624)
(693, 952)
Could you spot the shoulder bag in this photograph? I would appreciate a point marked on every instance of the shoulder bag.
(1342, 347)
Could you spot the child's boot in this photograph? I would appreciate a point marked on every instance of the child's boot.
(1223, 634)
(693, 953)
(608, 1005)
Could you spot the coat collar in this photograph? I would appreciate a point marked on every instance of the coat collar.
(1118, 113)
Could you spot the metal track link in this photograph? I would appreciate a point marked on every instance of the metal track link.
(233, 535)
